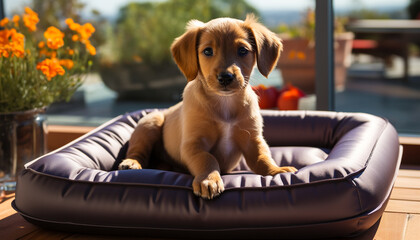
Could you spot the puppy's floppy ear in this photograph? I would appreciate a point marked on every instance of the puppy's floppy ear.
(268, 45)
(184, 50)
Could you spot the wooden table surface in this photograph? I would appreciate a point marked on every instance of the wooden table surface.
(401, 219)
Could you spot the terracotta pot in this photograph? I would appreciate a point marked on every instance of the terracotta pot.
(22, 139)
(297, 62)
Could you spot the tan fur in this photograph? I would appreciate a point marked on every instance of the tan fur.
(215, 124)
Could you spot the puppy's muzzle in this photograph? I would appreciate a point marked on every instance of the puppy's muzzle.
(225, 78)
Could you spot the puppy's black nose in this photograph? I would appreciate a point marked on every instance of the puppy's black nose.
(225, 78)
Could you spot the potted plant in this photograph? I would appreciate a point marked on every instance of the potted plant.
(136, 61)
(297, 62)
(37, 68)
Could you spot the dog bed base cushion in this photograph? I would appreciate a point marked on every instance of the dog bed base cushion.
(347, 165)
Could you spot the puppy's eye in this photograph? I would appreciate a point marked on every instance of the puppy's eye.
(208, 52)
(242, 51)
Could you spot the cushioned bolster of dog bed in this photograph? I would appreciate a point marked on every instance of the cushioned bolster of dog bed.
(351, 140)
(75, 184)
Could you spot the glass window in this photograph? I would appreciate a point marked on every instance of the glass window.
(375, 73)
(383, 77)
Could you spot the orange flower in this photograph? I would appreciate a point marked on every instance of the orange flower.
(71, 52)
(41, 44)
(72, 25)
(67, 63)
(91, 49)
(17, 50)
(16, 19)
(11, 43)
(54, 38)
(4, 22)
(75, 38)
(30, 19)
(50, 68)
(29, 11)
(4, 37)
(301, 55)
(292, 54)
(86, 31)
(4, 43)
(296, 54)
(69, 21)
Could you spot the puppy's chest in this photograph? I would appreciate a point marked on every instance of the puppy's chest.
(226, 144)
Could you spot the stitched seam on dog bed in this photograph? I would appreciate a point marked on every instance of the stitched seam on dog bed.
(64, 179)
(386, 123)
(99, 128)
(353, 183)
(351, 179)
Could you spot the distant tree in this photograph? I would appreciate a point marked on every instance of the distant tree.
(145, 30)
(367, 14)
(54, 12)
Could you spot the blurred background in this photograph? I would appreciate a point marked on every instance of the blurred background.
(377, 63)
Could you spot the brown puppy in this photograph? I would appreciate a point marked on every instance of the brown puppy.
(219, 119)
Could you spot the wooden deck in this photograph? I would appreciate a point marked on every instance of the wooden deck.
(401, 219)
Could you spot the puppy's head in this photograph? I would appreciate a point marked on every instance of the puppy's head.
(223, 52)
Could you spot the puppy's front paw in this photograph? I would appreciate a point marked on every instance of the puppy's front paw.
(129, 164)
(286, 169)
(208, 186)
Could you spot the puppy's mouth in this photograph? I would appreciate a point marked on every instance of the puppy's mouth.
(227, 86)
(226, 92)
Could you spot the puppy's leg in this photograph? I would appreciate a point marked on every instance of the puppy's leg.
(146, 134)
(204, 167)
(258, 157)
